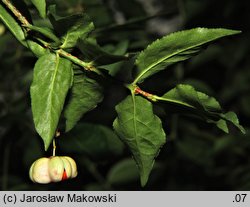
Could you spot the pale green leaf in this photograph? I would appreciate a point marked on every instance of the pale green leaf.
(41, 7)
(12, 25)
(202, 104)
(141, 130)
(86, 93)
(51, 81)
(176, 47)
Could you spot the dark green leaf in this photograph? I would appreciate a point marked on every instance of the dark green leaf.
(141, 130)
(94, 53)
(86, 93)
(118, 50)
(196, 148)
(124, 172)
(47, 32)
(80, 30)
(174, 48)
(4, 42)
(51, 82)
(207, 107)
(18, 32)
(94, 140)
(71, 28)
(41, 7)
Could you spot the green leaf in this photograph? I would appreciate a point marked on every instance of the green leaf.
(124, 172)
(41, 7)
(94, 53)
(18, 32)
(80, 30)
(71, 28)
(186, 96)
(229, 117)
(47, 32)
(51, 81)
(174, 48)
(119, 50)
(95, 140)
(141, 130)
(86, 93)
(12, 25)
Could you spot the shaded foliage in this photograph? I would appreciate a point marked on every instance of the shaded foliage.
(193, 149)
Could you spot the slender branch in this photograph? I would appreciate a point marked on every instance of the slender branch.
(15, 11)
(74, 59)
(86, 65)
(147, 95)
(61, 52)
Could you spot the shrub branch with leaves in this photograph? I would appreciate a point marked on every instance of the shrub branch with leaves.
(59, 74)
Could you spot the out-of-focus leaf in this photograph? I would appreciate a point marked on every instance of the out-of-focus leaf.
(99, 13)
(141, 130)
(4, 41)
(94, 53)
(119, 50)
(176, 47)
(85, 94)
(41, 7)
(51, 82)
(72, 28)
(94, 140)
(207, 107)
(124, 172)
(197, 149)
(229, 143)
(245, 103)
(131, 8)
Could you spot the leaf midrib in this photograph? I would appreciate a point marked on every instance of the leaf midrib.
(53, 83)
(136, 133)
(165, 58)
(176, 102)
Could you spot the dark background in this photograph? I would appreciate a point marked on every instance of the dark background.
(197, 155)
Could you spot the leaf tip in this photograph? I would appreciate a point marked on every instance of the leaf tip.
(144, 180)
(69, 126)
(46, 146)
(242, 129)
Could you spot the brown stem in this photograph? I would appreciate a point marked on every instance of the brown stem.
(147, 95)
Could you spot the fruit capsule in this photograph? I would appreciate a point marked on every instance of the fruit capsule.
(53, 169)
